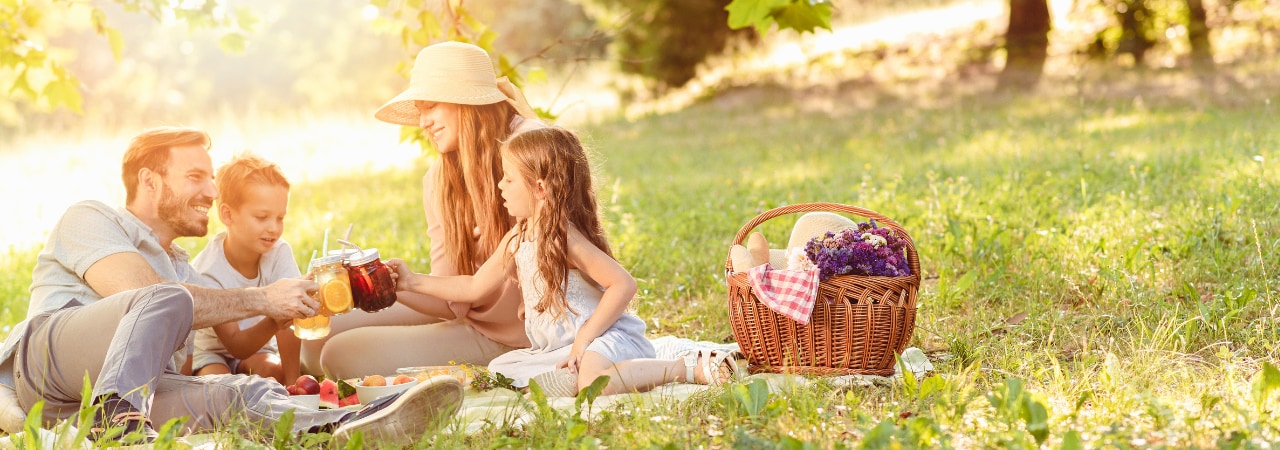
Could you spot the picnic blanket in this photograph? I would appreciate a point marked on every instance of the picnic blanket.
(500, 407)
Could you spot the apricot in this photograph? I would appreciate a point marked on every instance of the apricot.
(374, 380)
(402, 379)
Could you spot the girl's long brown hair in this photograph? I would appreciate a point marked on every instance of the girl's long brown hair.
(557, 158)
(468, 195)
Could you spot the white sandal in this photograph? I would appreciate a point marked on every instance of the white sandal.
(716, 359)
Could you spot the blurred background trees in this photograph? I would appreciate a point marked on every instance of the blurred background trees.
(139, 59)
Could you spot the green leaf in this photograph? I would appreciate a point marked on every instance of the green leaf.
(803, 17)
(486, 38)
(752, 397)
(21, 85)
(878, 437)
(63, 92)
(966, 281)
(99, 19)
(116, 40)
(34, 58)
(9, 59)
(536, 76)
(284, 431)
(32, 16)
(429, 25)
(233, 42)
(745, 13)
(1037, 419)
(1072, 441)
(246, 19)
(590, 394)
(1264, 383)
(31, 427)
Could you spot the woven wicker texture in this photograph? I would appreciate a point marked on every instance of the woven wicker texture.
(859, 323)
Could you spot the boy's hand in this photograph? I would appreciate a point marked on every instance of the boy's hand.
(289, 298)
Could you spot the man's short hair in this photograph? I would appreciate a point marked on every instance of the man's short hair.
(242, 171)
(150, 150)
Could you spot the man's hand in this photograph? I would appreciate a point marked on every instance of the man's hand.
(289, 298)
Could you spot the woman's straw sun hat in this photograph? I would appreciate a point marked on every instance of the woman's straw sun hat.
(448, 72)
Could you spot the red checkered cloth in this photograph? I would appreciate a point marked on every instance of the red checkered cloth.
(787, 292)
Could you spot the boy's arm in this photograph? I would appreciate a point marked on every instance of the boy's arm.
(290, 350)
(244, 343)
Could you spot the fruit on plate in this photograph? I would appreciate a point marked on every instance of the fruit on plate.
(329, 394)
(348, 401)
(402, 379)
(374, 380)
(308, 385)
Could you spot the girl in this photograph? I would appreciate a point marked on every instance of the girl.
(455, 97)
(575, 293)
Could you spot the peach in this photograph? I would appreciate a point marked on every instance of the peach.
(402, 379)
(374, 380)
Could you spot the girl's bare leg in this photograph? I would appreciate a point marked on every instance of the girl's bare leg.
(637, 375)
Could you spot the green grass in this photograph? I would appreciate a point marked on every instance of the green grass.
(1140, 240)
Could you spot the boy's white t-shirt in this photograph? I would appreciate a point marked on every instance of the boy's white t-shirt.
(216, 272)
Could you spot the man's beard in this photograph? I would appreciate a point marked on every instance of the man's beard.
(173, 212)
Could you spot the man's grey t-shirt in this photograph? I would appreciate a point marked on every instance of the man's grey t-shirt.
(86, 233)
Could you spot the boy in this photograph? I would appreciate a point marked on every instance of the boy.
(250, 253)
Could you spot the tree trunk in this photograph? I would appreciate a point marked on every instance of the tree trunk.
(1026, 42)
(1198, 35)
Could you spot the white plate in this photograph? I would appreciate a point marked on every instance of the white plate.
(367, 394)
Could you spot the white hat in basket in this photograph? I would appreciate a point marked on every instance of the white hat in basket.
(815, 224)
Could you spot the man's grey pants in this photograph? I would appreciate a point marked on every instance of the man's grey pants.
(125, 343)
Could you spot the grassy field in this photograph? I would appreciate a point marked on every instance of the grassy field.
(1097, 272)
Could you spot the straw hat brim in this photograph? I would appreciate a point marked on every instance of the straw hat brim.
(816, 224)
(401, 110)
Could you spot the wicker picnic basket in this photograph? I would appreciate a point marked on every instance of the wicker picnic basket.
(859, 323)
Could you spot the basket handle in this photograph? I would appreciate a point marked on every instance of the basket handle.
(913, 259)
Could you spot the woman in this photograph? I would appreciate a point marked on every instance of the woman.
(454, 97)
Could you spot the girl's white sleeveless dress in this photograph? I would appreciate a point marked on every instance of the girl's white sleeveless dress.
(553, 339)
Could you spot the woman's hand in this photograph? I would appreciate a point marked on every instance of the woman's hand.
(516, 98)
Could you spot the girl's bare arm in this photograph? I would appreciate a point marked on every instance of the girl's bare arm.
(487, 281)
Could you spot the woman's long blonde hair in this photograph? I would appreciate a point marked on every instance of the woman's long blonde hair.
(468, 195)
(556, 157)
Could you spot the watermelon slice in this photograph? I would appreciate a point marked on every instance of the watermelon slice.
(348, 401)
(328, 394)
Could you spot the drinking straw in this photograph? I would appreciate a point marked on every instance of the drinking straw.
(345, 243)
(311, 261)
(325, 246)
(347, 236)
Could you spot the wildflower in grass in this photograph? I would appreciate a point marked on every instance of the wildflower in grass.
(867, 250)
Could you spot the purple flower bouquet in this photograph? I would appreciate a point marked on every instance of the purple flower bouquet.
(867, 250)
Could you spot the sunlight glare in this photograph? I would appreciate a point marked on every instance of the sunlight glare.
(369, 12)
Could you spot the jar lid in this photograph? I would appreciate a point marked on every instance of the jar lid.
(326, 260)
(362, 257)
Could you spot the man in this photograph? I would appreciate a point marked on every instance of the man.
(110, 299)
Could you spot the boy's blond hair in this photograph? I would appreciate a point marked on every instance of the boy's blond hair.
(234, 177)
